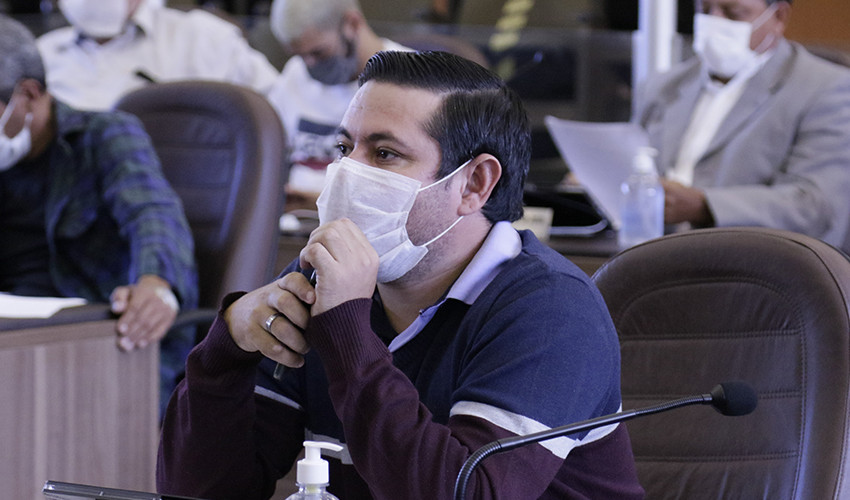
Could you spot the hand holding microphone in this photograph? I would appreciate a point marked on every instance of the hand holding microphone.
(347, 262)
(271, 319)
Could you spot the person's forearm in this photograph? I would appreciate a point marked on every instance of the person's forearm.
(208, 447)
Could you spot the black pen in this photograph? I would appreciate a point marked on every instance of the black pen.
(280, 369)
(144, 76)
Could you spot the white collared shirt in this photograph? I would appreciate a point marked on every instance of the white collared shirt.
(502, 244)
(713, 106)
(159, 43)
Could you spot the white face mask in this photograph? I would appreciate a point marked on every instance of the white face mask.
(96, 18)
(724, 45)
(14, 149)
(378, 202)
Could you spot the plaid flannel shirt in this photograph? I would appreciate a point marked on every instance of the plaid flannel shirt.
(111, 214)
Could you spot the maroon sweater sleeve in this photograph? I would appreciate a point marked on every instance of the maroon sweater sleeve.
(209, 446)
(394, 444)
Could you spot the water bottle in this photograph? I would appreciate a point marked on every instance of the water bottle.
(312, 473)
(642, 201)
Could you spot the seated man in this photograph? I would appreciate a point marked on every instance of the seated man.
(85, 210)
(435, 326)
(755, 131)
(330, 42)
(117, 46)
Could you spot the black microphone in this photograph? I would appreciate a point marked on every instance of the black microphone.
(729, 398)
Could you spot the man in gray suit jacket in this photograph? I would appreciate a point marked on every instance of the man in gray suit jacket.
(755, 130)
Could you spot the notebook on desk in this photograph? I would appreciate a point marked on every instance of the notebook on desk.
(600, 156)
(57, 490)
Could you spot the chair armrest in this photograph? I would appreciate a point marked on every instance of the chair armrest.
(201, 319)
(194, 317)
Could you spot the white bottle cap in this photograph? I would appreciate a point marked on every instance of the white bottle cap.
(644, 160)
(312, 469)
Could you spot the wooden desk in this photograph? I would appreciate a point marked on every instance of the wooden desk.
(74, 408)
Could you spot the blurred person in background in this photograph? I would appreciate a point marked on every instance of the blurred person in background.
(755, 130)
(330, 42)
(86, 212)
(115, 46)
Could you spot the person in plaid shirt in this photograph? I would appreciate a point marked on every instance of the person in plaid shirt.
(85, 210)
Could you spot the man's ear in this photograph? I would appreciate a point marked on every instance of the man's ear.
(133, 6)
(352, 20)
(783, 14)
(31, 89)
(483, 173)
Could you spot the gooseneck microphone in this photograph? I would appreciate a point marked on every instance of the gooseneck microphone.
(728, 398)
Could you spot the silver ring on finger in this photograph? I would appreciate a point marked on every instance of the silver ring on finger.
(270, 320)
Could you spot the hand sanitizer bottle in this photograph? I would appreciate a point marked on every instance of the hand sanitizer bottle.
(642, 202)
(312, 473)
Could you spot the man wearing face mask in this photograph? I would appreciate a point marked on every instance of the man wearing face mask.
(115, 46)
(330, 43)
(434, 327)
(755, 130)
(86, 212)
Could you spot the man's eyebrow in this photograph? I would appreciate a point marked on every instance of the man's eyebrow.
(375, 137)
(342, 131)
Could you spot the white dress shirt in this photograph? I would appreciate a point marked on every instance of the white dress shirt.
(712, 107)
(159, 44)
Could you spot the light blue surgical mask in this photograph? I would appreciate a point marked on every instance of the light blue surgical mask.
(96, 18)
(378, 202)
(723, 45)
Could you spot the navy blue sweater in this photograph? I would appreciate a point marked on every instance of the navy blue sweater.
(536, 350)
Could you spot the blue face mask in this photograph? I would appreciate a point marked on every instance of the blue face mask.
(339, 69)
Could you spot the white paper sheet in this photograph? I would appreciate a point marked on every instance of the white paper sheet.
(600, 156)
(15, 306)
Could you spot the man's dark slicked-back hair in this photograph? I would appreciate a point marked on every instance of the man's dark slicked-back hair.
(479, 114)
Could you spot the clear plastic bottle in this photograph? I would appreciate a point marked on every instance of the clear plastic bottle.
(312, 473)
(642, 202)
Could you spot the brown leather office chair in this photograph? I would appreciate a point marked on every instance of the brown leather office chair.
(764, 306)
(223, 149)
